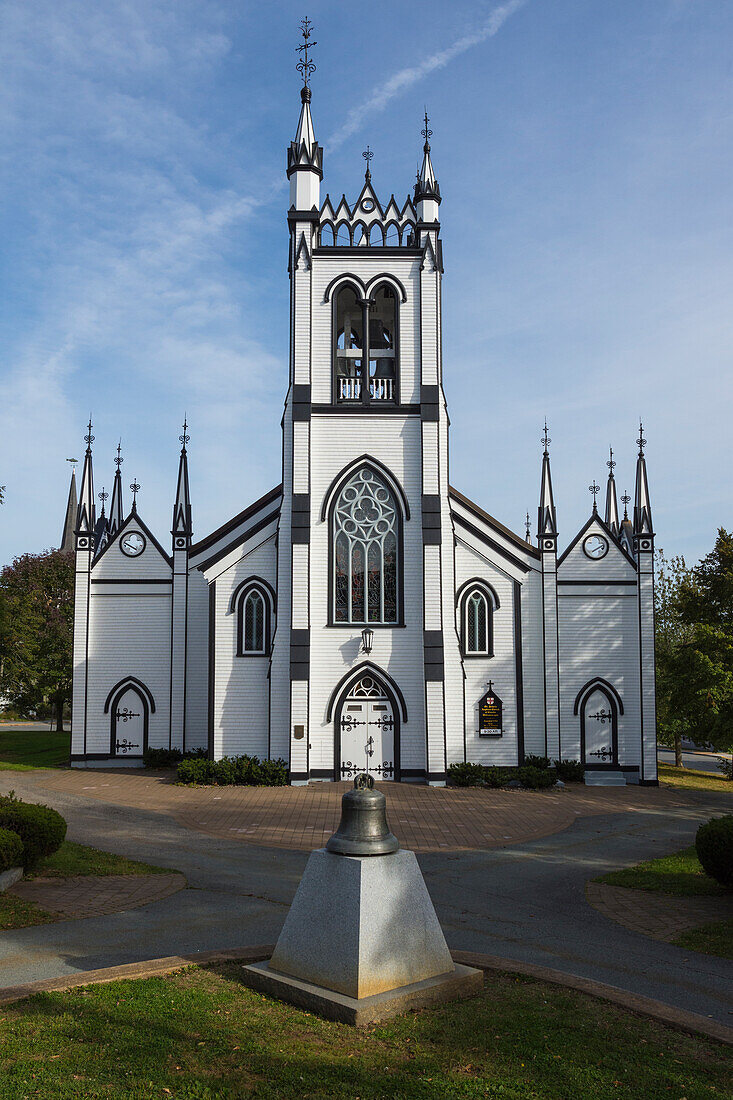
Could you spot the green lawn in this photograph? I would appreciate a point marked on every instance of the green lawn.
(694, 780)
(24, 749)
(679, 875)
(201, 1035)
(711, 939)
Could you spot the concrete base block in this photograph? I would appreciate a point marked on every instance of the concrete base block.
(462, 981)
(604, 779)
(10, 877)
(361, 925)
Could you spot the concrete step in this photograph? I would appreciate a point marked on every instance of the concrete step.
(604, 779)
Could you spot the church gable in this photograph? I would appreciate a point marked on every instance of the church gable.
(595, 555)
(133, 554)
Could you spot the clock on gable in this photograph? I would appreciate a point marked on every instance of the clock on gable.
(595, 546)
(132, 544)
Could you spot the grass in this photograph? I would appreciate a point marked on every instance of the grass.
(71, 859)
(200, 1035)
(22, 750)
(711, 939)
(679, 875)
(693, 780)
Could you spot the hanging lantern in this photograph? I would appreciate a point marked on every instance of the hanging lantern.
(367, 638)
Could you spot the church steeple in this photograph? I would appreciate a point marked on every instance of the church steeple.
(116, 511)
(305, 156)
(611, 517)
(642, 507)
(427, 192)
(546, 516)
(182, 529)
(72, 507)
(86, 519)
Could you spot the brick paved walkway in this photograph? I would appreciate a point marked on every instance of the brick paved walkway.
(657, 915)
(96, 895)
(426, 819)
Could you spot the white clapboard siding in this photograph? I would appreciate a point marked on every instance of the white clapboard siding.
(197, 662)
(578, 566)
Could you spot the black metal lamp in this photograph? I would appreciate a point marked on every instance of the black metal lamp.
(367, 638)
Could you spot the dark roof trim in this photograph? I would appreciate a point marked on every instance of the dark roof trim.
(232, 524)
(518, 541)
(134, 516)
(482, 537)
(238, 541)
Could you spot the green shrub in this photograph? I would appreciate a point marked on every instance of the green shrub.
(570, 771)
(541, 762)
(466, 775)
(243, 771)
(535, 779)
(714, 847)
(40, 828)
(11, 850)
(169, 758)
(497, 777)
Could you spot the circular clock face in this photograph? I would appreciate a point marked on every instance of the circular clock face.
(132, 544)
(595, 546)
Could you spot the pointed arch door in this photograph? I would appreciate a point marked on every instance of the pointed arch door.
(129, 724)
(366, 732)
(599, 729)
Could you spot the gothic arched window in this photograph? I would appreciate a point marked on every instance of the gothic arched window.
(365, 535)
(254, 617)
(365, 332)
(477, 610)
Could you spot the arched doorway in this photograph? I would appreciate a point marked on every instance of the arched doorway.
(367, 731)
(599, 729)
(129, 706)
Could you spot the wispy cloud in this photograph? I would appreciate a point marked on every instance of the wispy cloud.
(407, 77)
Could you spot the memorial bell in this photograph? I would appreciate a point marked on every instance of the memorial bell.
(363, 829)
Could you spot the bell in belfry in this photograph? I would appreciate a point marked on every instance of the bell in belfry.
(361, 941)
(363, 830)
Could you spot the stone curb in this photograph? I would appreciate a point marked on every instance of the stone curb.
(677, 1018)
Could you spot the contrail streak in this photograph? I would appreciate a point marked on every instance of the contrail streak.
(405, 78)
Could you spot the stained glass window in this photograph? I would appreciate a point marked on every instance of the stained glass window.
(254, 623)
(477, 623)
(365, 551)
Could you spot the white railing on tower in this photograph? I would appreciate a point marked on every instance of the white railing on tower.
(380, 389)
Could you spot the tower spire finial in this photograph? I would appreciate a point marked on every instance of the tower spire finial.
(545, 441)
(89, 438)
(611, 517)
(367, 155)
(426, 133)
(135, 486)
(306, 67)
(594, 488)
(625, 501)
(103, 496)
(184, 439)
(641, 441)
(427, 187)
(528, 536)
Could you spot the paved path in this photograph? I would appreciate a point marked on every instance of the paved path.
(657, 915)
(82, 896)
(524, 901)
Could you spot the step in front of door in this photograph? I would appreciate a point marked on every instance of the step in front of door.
(604, 779)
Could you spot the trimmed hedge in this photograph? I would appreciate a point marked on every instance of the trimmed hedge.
(528, 776)
(535, 779)
(714, 847)
(11, 850)
(169, 758)
(570, 771)
(40, 828)
(245, 771)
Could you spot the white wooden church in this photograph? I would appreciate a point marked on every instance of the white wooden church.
(364, 614)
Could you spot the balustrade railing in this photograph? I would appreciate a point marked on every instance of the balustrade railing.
(380, 389)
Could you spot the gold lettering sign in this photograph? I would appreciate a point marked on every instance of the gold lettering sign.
(489, 715)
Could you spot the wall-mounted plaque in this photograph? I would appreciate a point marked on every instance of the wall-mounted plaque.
(489, 714)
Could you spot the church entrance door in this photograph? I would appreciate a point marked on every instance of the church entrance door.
(128, 724)
(599, 731)
(367, 729)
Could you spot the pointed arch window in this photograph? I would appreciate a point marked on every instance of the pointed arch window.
(366, 543)
(477, 622)
(254, 620)
(365, 338)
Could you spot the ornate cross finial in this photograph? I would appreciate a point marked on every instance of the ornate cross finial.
(625, 501)
(89, 438)
(185, 437)
(367, 155)
(119, 460)
(641, 441)
(305, 66)
(103, 496)
(527, 528)
(135, 490)
(426, 133)
(595, 490)
(546, 441)
(611, 464)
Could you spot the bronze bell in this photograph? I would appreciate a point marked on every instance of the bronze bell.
(363, 829)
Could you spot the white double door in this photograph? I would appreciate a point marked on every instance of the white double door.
(367, 737)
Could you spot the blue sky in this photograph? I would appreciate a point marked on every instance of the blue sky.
(584, 153)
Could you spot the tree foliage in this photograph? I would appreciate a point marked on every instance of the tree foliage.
(36, 629)
(694, 638)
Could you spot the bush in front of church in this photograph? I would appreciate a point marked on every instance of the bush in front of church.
(242, 771)
(535, 779)
(40, 828)
(570, 771)
(11, 850)
(714, 847)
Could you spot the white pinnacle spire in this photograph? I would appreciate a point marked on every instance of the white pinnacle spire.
(642, 506)
(546, 516)
(611, 517)
(86, 518)
(305, 134)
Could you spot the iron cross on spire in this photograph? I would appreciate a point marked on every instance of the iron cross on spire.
(641, 441)
(89, 438)
(611, 464)
(528, 527)
(367, 155)
(103, 496)
(305, 66)
(119, 460)
(185, 437)
(135, 490)
(594, 489)
(426, 133)
(546, 441)
(625, 501)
